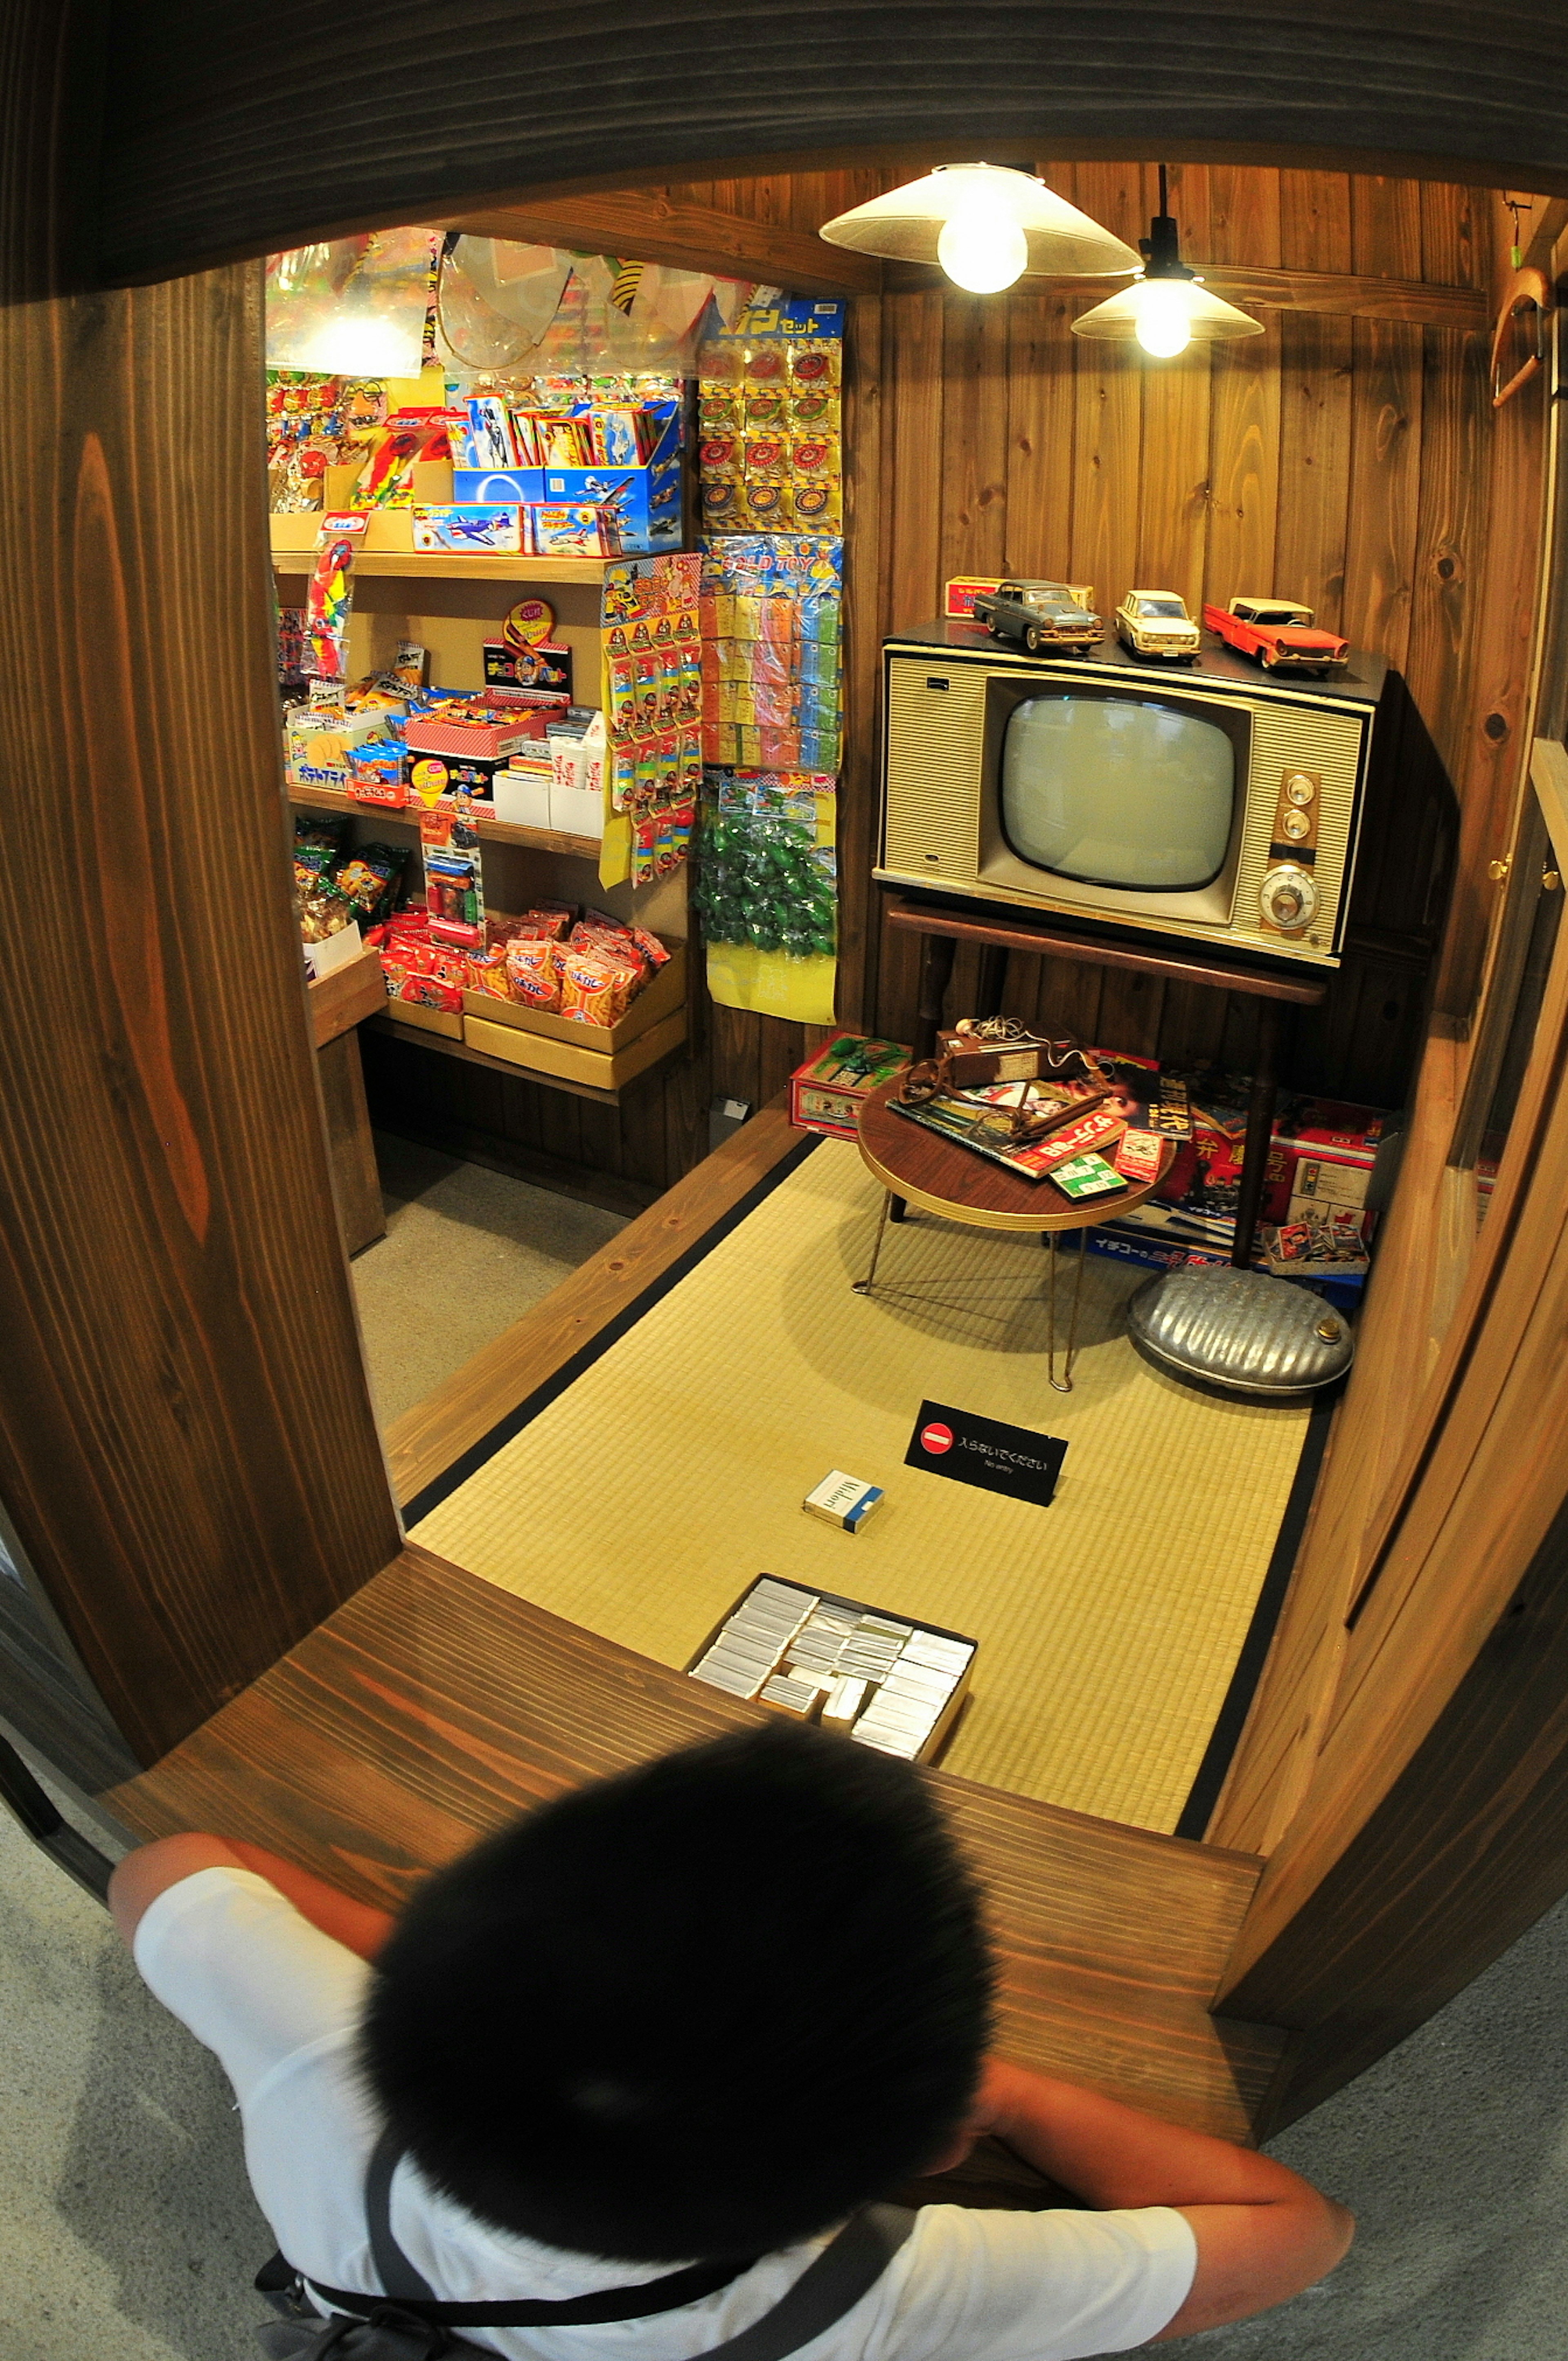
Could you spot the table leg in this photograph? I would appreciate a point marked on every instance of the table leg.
(1259, 1130)
(936, 970)
(1064, 1384)
(863, 1286)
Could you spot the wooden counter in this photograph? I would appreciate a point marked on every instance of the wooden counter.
(432, 1706)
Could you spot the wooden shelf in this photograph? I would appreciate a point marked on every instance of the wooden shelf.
(387, 1023)
(500, 832)
(440, 566)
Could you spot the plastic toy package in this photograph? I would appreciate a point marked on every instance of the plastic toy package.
(652, 696)
(770, 449)
(766, 877)
(771, 620)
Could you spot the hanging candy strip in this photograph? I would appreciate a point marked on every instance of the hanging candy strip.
(330, 598)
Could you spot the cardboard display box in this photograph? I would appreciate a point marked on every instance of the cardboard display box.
(602, 1056)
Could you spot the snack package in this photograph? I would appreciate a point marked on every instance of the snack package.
(532, 966)
(319, 840)
(370, 879)
(487, 973)
(591, 988)
(552, 919)
(323, 912)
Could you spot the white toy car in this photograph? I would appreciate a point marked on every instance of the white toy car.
(1156, 623)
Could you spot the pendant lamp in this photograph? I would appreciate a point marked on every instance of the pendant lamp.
(1168, 306)
(986, 225)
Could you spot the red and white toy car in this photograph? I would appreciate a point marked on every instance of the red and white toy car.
(1279, 633)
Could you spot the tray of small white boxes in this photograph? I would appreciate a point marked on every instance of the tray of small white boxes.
(883, 1682)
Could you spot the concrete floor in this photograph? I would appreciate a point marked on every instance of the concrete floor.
(466, 1252)
(128, 2229)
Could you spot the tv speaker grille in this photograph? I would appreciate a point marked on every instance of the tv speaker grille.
(935, 737)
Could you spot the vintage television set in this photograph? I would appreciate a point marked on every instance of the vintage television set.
(1214, 803)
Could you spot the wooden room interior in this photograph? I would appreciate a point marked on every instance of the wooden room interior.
(259, 1650)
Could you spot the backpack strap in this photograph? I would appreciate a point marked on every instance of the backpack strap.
(848, 2267)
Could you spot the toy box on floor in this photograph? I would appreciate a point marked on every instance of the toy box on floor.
(1319, 1163)
(826, 1092)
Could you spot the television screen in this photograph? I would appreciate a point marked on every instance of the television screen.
(1118, 792)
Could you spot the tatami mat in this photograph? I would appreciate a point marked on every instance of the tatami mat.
(651, 1491)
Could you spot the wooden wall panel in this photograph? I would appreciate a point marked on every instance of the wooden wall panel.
(1341, 461)
(187, 1449)
(1352, 463)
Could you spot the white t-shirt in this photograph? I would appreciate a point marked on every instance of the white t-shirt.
(280, 2003)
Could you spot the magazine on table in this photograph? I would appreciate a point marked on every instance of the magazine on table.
(981, 1120)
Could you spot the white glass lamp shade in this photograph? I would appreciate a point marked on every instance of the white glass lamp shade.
(985, 207)
(1153, 312)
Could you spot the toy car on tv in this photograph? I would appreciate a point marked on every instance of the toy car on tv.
(1156, 623)
(1279, 633)
(1040, 614)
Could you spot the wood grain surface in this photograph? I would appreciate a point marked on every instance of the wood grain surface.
(952, 1181)
(437, 1431)
(433, 1706)
(658, 228)
(205, 157)
(1443, 1736)
(187, 1449)
(356, 1181)
(346, 997)
(1042, 942)
(1280, 1745)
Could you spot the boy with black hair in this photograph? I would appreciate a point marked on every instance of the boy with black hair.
(699, 2012)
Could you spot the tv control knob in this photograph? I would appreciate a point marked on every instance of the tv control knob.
(1300, 788)
(1289, 898)
(1296, 825)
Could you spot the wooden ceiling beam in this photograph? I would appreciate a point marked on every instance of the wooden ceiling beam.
(647, 226)
(1335, 293)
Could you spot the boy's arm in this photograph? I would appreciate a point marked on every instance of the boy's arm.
(1263, 2233)
(151, 1868)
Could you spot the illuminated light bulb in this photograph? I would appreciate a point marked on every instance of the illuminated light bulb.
(981, 247)
(1163, 327)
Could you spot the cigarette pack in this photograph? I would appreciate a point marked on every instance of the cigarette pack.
(842, 1500)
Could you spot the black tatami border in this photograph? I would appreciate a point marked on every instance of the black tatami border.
(1226, 1736)
(469, 1461)
(1205, 1790)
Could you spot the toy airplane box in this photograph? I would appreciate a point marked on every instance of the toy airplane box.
(826, 1092)
(643, 502)
(469, 528)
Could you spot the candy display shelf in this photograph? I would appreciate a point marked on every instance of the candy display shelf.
(523, 1066)
(541, 839)
(294, 551)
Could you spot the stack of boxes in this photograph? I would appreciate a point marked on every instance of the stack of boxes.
(600, 479)
(875, 1678)
(1321, 1160)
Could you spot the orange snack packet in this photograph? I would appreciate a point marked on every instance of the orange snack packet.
(487, 973)
(589, 988)
(533, 965)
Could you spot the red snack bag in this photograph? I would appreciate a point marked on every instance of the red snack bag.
(588, 988)
(533, 965)
(430, 992)
(651, 949)
(552, 919)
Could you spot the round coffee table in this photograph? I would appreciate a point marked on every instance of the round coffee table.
(941, 1177)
